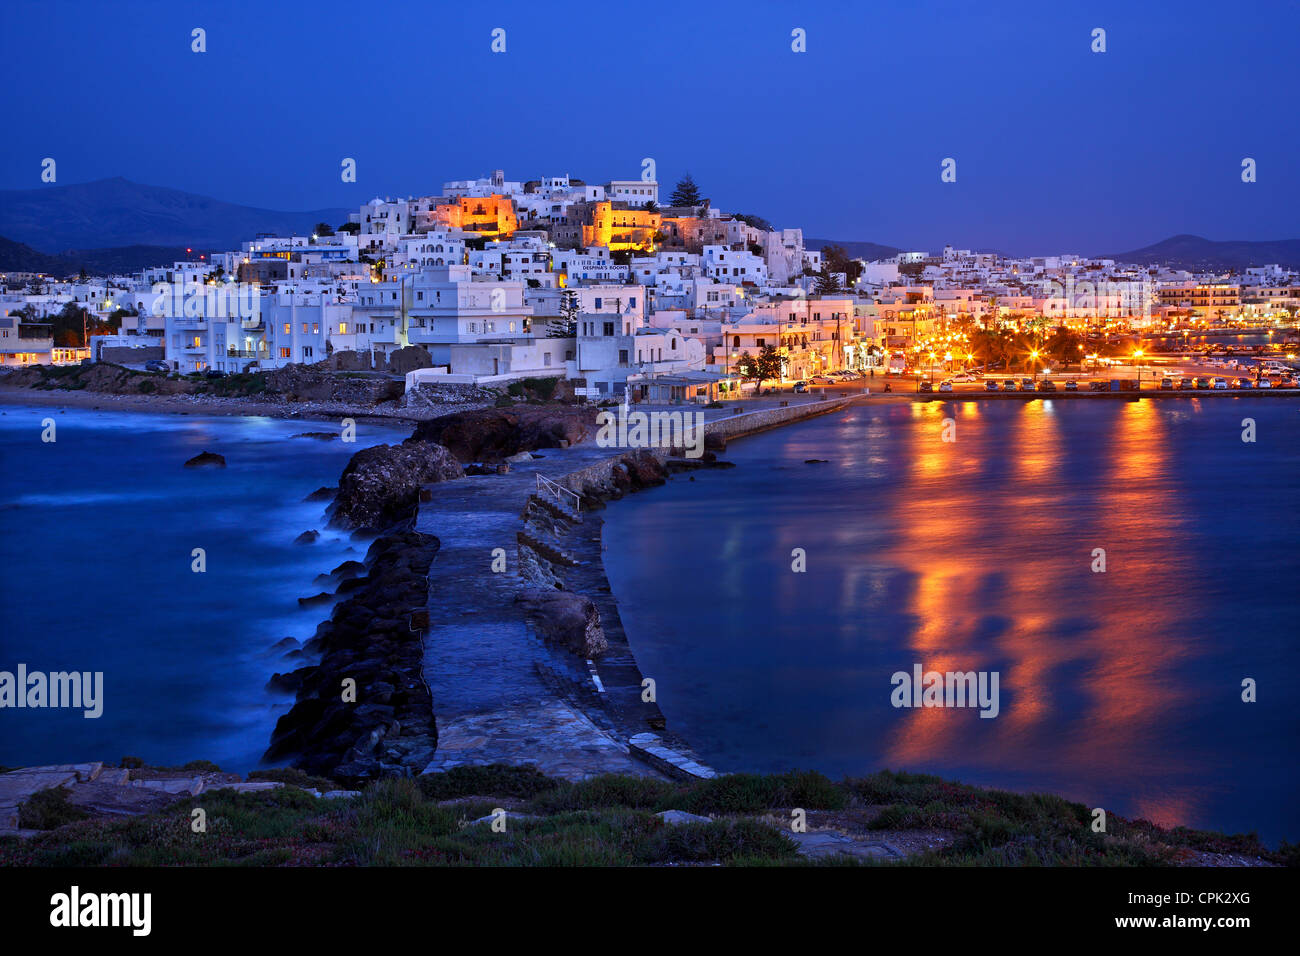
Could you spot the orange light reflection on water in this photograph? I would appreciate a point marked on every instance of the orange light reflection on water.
(1076, 707)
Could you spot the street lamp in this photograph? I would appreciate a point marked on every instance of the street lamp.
(1033, 358)
(1137, 355)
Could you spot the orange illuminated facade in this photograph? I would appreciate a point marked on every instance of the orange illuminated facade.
(617, 229)
(491, 216)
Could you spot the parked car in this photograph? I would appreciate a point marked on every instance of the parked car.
(1265, 383)
(1047, 385)
(1202, 382)
(1244, 383)
(1009, 385)
(1167, 384)
(1026, 384)
(1099, 385)
(1072, 385)
(801, 386)
(990, 386)
(927, 387)
(213, 373)
(157, 365)
(1184, 383)
(945, 386)
(1219, 382)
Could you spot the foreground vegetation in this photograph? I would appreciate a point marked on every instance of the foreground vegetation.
(608, 821)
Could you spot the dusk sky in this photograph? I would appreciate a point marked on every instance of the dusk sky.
(1058, 149)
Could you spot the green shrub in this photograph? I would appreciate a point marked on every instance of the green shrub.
(608, 791)
(293, 777)
(202, 766)
(498, 780)
(753, 793)
(49, 809)
(721, 840)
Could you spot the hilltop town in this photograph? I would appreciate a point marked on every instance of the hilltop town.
(660, 298)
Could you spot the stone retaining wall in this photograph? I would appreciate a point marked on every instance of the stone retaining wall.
(598, 474)
(748, 423)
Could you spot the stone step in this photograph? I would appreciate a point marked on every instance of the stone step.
(650, 748)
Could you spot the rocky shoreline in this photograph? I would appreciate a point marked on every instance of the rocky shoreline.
(364, 711)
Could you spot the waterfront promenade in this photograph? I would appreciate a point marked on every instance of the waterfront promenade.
(500, 694)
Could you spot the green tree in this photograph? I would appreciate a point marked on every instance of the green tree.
(1065, 346)
(837, 259)
(769, 363)
(323, 229)
(686, 193)
(758, 222)
(827, 282)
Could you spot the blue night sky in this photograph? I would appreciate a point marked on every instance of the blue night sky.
(1058, 149)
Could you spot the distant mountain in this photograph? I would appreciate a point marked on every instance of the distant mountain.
(118, 260)
(1195, 253)
(121, 260)
(17, 257)
(116, 212)
(870, 251)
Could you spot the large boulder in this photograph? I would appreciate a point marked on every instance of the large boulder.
(381, 485)
(494, 434)
(206, 459)
(567, 619)
(317, 383)
(409, 359)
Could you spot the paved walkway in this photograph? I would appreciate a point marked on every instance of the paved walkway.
(492, 679)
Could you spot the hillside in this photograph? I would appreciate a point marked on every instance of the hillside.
(1196, 253)
(19, 257)
(116, 212)
(870, 251)
(90, 815)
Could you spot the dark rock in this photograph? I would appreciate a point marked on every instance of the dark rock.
(322, 494)
(567, 619)
(317, 383)
(368, 639)
(206, 459)
(349, 569)
(289, 682)
(381, 485)
(491, 435)
(319, 436)
(322, 598)
(285, 644)
(815, 461)
(307, 537)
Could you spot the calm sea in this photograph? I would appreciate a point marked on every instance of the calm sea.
(1120, 689)
(96, 534)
